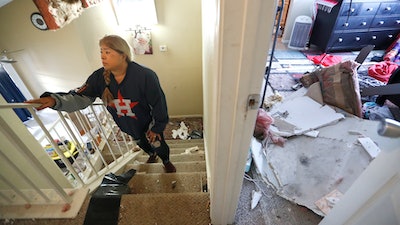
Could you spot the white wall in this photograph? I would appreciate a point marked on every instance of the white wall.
(60, 60)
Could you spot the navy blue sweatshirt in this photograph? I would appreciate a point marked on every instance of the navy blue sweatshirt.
(138, 100)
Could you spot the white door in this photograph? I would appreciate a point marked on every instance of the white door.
(374, 198)
(236, 38)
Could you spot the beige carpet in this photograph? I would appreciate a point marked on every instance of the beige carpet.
(165, 209)
(168, 199)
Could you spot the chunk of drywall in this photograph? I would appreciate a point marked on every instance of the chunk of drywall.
(260, 161)
(309, 168)
(304, 114)
(369, 146)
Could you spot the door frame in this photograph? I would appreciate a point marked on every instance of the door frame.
(236, 39)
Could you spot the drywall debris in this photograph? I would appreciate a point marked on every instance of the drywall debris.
(304, 114)
(173, 184)
(256, 196)
(369, 146)
(284, 128)
(308, 168)
(260, 160)
(313, 133)
(357, 127)
(191, 150)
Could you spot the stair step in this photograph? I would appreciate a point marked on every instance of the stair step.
(168, 182)
(165, 209)
(180, 141)
(173, 151)
(176, 155)
(200, 156)
(187, 145)
(196, 166)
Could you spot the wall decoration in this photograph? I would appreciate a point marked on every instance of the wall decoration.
(58, 13)
(137, 16)
(38, 21)
(142, 43)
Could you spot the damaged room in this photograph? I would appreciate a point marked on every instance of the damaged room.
(277, 112)
(330, 108)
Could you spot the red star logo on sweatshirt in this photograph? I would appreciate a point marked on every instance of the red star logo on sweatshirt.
(124, 106)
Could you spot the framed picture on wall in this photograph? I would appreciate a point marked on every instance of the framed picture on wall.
(142, 44)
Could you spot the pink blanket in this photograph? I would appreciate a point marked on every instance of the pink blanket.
(382, 70)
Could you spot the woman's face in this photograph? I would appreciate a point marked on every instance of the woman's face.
(110, 58)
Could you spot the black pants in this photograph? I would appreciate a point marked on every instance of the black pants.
(162, 151)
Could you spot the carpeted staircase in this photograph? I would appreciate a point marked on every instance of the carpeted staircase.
(156, 197)
(168, 198)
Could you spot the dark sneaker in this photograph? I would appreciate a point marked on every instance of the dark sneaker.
(169, 167)
(152, 159)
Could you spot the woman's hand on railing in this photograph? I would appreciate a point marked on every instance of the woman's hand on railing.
(44, 102)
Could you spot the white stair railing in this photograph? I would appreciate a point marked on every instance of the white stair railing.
(83, 156)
